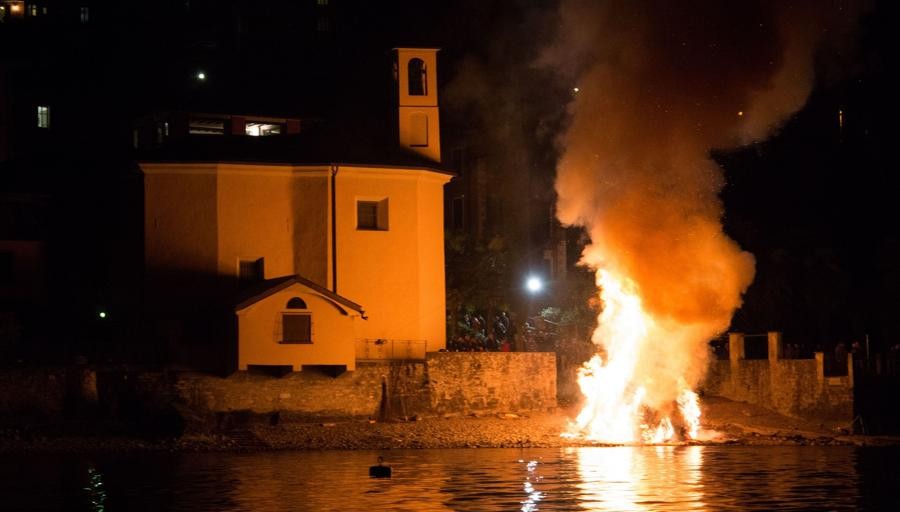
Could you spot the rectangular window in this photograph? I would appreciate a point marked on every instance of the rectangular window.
(85, 14)
(200, 126)
(251, 271)
(296, 328)
(43, 116)
(33, 9)
(418, 129)
(262, 129)
(372, 215)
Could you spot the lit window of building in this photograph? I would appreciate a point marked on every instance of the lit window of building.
(85, 14)
(33, 10)
(43, 116)
(262, 129)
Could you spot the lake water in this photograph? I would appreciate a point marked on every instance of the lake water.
(620, 478)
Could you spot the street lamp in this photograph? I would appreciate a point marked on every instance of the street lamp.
(534, 284)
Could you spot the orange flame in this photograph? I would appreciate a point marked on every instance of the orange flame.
(615, 388)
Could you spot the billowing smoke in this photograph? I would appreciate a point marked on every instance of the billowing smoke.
(661, 85)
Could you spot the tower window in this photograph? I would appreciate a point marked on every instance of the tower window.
(418, 84)
(43, 116)
(418, 129)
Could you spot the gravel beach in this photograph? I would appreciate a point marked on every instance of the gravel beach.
(724, 422)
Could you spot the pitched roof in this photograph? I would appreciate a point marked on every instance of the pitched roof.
(271, 286)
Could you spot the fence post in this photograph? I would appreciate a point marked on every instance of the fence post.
(850, 369)
(820, 369)
(735, 347)
(776, 346)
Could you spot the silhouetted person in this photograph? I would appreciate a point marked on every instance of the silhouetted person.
(840, 359)
(380, 470)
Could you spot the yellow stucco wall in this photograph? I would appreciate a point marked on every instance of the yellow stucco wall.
(180, 224)
(397, 274)
(276, 213)
(204, 218)
(333, 332)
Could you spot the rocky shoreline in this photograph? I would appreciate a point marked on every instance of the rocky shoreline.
(724, 427)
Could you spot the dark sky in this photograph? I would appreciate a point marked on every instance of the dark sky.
(814, 203)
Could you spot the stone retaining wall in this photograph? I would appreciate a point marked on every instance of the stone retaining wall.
(794, 387)
(464, 382)
(444, 384)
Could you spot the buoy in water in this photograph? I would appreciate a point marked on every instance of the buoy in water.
(380, 470)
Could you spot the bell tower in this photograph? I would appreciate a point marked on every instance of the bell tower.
(415, 80)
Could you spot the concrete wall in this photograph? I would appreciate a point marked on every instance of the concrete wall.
(794, 387)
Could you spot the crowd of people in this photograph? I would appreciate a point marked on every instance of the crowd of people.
(474, 334)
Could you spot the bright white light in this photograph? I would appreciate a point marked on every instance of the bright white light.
(576, 89)
(103, 314)
(534, 284)
(201, 76)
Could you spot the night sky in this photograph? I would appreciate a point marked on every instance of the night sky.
(815, 203)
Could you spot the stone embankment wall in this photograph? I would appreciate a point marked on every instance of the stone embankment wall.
(443, 384)
(465, 382)
(794, 387)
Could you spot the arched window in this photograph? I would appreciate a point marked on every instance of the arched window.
(296, 327)
(418, 83)
(296, 303)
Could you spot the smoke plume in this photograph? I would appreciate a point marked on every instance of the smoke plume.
(661, 85)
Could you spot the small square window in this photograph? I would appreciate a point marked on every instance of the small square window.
(296, 328)
(43, 116)
(372, 215)
(251, 271)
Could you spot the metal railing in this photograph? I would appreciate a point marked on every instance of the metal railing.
(384, 349)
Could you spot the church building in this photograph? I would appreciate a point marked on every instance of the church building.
(268, 243)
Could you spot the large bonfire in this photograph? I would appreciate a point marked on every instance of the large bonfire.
(660, 86)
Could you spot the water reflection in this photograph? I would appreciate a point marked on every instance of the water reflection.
(533, 496)
(640, 478)
(619, 478)
(95, 493)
